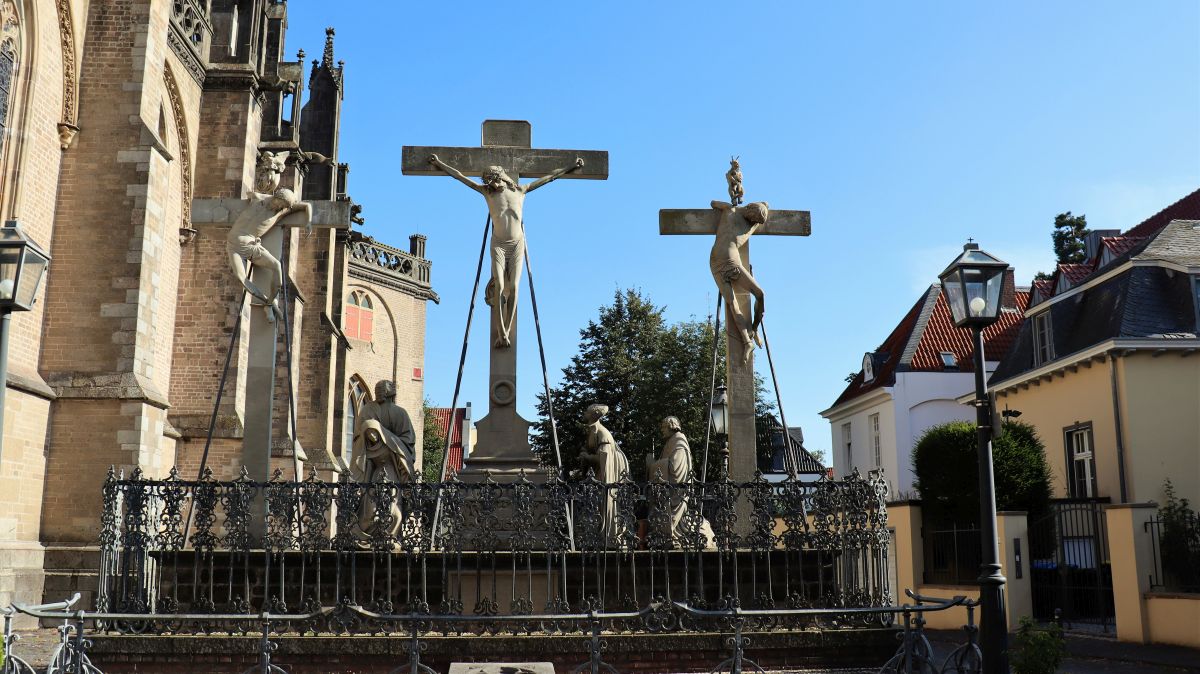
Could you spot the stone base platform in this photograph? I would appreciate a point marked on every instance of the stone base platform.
(650, 653)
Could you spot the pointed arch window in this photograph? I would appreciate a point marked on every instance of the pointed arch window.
(355, 398)
(359, 320)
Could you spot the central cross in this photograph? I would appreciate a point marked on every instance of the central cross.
(733, 225)
(505, 156)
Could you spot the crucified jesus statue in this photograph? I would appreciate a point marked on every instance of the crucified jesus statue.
(506, 201)
(244, 243)
(735, 226)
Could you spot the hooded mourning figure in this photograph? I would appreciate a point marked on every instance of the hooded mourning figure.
(382, 451)
(609, 464)
(674, 466)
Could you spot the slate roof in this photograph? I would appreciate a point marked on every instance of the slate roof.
(1144, 302)
(928, 329)
(770, 432)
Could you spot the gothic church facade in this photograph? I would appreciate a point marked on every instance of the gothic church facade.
(117, 115)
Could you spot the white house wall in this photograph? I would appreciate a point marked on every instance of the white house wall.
(918, 401)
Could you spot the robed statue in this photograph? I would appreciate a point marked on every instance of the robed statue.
(673, 465)
(609, 464)
(383, 452)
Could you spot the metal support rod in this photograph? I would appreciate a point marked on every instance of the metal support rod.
(993, 623)
(287, 356)
(712, 388)
(5, 324)
(462, 361)
(793, 463)
(537, 324)
(212, 422)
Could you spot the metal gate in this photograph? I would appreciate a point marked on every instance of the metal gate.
(1070, 569)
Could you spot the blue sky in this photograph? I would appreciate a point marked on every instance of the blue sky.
(903, 127)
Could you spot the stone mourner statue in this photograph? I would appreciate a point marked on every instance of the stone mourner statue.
(674, 466)
(383, 450)
(608, 463)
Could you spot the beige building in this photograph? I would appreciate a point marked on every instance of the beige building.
(1106, 365)
(116, 116)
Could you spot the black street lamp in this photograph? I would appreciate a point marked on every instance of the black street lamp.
(972, 287)
(718, 416)
(22, 265)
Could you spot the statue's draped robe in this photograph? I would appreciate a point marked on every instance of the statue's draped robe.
(674, 466)
(610, 465)
(392, 458)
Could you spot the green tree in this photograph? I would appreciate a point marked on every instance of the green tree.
(433, 444)
(1070, 231)
(945, 463)
(1069, 237)
(644, 369)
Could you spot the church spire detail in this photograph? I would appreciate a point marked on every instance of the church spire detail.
(327, 57)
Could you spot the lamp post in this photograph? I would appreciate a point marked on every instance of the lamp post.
(972, 285)
(22, 265)
(718, 416)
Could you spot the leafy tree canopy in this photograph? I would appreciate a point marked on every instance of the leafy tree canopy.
(644, 368)
(433, 444)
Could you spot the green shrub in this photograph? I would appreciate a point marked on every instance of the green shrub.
(945, 463)
(1179, 542)
(1037, 650)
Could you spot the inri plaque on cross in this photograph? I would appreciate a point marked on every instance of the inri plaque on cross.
(506, 156)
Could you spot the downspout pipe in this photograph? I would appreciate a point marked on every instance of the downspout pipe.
(1116, 402)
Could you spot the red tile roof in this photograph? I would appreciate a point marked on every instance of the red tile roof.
(893, 349)
(917, 342)
(1187, 208)
(441, 416)
(941, 334)
(1044, 286)
(1075, 273)
(1119, 245)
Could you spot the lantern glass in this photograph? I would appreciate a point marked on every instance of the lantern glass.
(972, 284)
(719, 412)
(31, 276)
(10, 266)
(952, 283)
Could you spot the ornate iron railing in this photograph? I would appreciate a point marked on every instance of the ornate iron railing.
(487, 550)
(914, 654)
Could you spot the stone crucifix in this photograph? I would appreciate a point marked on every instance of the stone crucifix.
(255, 240)
(732, 225)
(506, 156)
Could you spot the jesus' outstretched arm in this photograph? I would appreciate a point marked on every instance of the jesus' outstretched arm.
(453, 172)
(554, 175)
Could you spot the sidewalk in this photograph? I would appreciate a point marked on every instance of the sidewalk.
(1088, 654)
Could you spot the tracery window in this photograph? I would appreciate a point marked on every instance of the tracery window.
(359, 316)
(355, 397)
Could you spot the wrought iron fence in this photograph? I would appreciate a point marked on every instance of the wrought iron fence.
(1176, 556)
(1070, 570)
(952, 556)
(914, 654)
(486, 550)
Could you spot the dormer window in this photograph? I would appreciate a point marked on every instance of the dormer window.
(949, 360)
(868, 368)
